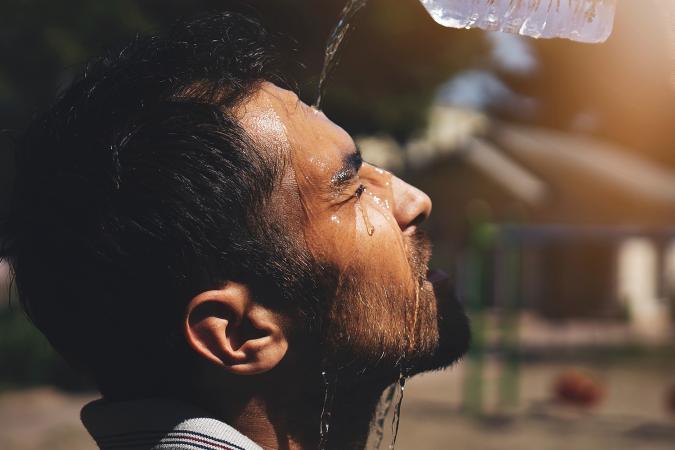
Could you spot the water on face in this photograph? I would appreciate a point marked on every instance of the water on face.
(335, 40)
(393, 396)
(366, 219)
(415, 311)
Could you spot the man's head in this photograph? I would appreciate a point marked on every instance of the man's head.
(176, 208)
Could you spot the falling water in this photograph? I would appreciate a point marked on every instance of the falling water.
(579, 20)
(584, 23)
(329, 383)
(397, 411)
(335, 40)
(382, 413)
(389, 395)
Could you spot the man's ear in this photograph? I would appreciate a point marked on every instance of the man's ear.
(229, 329)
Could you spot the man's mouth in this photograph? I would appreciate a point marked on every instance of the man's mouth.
(440, 281)
(438, 278)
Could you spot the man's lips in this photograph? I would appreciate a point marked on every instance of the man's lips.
(443, 288)
(441, 284)
(437, 278)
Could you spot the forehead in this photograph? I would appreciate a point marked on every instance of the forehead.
(277, 118)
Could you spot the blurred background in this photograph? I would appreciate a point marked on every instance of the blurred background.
(551, 165)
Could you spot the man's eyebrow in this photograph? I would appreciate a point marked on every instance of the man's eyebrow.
(351, 164)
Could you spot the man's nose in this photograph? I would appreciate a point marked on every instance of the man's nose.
(411, 205)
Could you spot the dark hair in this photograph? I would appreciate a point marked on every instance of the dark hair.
(137, 190)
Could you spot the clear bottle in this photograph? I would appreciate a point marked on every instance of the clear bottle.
(588, 21)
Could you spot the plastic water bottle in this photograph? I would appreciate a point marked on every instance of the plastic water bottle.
(579, 20)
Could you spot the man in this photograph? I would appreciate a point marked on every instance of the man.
(215, 254)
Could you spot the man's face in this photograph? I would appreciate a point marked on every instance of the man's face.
(361, 221)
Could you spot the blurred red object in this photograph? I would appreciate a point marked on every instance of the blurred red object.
(574, 387)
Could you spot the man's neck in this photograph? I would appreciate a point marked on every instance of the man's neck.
(286, 415)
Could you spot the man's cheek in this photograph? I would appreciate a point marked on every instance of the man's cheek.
(385, 249)
(331, 234)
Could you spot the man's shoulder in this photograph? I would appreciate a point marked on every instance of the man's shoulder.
(159, 423)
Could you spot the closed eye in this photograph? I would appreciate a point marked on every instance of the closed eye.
(351, 164)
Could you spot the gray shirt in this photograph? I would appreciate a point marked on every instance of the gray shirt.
(160, 424)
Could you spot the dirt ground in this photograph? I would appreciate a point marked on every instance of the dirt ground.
(632, 415)
(43, 418)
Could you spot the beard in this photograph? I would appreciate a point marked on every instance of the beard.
(361, 322)
(382, 326)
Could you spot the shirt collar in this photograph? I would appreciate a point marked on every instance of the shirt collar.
(159, 424)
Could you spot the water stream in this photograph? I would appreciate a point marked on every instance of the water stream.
(366, 219)
(582, 20)
(393, 396)
(329, 383)
(335, 40)
(396, 419)
(383, 411)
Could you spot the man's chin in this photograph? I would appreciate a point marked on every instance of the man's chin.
(454, 331)
(454, 340)
(454, 337)
(441, 338)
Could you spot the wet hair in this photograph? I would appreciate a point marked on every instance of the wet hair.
(139, 189)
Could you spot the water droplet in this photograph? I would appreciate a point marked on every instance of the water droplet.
(369, 226)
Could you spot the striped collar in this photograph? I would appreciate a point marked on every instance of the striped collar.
(159, 424)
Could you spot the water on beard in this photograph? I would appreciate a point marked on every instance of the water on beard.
(393, 396)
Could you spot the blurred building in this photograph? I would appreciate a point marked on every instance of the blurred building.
(560, 223)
